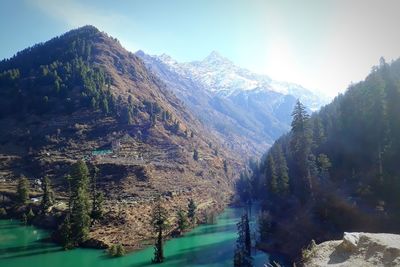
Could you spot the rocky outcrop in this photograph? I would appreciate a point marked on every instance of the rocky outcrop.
(357, 249)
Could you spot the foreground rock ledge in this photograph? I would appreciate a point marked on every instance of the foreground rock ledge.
(358, 249)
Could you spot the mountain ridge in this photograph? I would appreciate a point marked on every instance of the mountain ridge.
(83, 96)
(237, 109)
(238, 78)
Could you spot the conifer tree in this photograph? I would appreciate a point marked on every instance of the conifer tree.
(300, 145)
(48, 195)
(183, 223)
(97, 198)
(264, 225)
(65, 233)
(192, 210)
(318, 132)
(242, 254)
(283, 173)
(80, 219)
(23, 190)
(272, 174)
(79, 209)
(159, 223)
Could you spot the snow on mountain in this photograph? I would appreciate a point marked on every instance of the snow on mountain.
(221, 76)
(248, 110)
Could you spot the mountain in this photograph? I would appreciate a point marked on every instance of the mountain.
(221, 76)
(248, 108)
(83, 96)
(336, 171)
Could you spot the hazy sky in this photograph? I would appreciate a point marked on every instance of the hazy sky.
(319, 44)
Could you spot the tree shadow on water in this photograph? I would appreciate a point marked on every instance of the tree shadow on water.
(41, 246)
(200, 255)
(41, 252)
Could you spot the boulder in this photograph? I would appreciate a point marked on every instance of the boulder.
(358, 249)
(350, 241)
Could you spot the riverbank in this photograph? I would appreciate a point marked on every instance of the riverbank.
(125, 222)
(206, 245)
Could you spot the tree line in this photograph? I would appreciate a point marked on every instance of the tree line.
(337, 168)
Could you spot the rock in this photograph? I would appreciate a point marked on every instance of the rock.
(358, 249)
(350, 241)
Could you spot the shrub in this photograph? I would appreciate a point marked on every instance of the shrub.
(116, 250)
(309, 252)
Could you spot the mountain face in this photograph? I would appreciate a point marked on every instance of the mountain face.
(337, 170)
(221, 76)
(83, 96)
(252, 109)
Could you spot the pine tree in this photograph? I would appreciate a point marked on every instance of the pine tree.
(48, 195)
(283, 172)
(79, 177)
(183, 223)
(300, 145)
(65, 233)
(272, 177)
(242, 254)
(318, 133)
(80, 219)
(195, 155)
(126, 116)
(159, 223)
(79, 208)
(23, 190)
(97, 198)
(97, 210)
(247, 238)
(192, 210)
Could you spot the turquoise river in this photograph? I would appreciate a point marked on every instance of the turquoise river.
(206, 245)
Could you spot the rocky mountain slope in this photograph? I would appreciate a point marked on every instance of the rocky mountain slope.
(246, 107)
(83, 96)
(357, 249)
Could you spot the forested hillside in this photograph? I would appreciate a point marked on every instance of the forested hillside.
(336, 170)
(82, 96)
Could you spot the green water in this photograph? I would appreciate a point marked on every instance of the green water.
(207, 245)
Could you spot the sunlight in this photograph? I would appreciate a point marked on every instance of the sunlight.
(280, 61)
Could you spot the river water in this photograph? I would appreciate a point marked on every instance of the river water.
(206, 245)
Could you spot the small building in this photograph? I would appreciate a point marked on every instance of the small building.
(116, 145)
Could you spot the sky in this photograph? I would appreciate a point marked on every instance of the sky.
(323, 45)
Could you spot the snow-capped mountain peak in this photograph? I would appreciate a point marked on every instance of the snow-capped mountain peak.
(221, 76)
(216, 58)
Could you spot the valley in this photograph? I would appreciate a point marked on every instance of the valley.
(209, 133)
